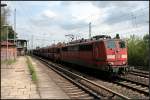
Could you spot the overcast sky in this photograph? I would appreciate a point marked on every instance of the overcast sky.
(47, 21)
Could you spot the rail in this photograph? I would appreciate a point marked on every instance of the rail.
(82, 78)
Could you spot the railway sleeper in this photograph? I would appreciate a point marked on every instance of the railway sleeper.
(143, 88)
(67, 85)
(71, 87)
(125, 83)
(73, 91)
(79, 96)
(77, 93)
(89, 98)
(138, 86)
(133, 85)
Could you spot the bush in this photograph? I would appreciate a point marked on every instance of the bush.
(138, 51)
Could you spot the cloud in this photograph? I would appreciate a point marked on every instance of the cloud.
(121, 15)
(49, 14)
(122, 4)
(72, 26)
(75, 16)
(85, 12)
(58, 18)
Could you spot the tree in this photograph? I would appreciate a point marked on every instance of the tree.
(138, 51)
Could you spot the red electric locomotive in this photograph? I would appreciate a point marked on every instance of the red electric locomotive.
(103, 54)
(100, 52)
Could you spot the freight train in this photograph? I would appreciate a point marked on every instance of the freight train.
(100, 52)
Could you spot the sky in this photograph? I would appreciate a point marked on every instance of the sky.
(46, 22)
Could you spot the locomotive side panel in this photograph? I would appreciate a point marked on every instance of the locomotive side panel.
(86, 55)
(99, 54)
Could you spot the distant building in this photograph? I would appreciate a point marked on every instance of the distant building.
(21, 47)
(10, 53)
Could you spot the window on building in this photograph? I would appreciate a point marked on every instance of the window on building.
(19, 43)
(25, 45)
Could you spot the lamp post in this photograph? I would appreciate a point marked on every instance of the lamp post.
(15, 40)
(89, 30)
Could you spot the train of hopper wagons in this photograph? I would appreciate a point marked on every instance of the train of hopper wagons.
(100, 52)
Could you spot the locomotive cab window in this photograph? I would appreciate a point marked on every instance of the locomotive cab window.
(122, 44)
(111, 44)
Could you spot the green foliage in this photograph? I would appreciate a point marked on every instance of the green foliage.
(31, 69)
(138, 51)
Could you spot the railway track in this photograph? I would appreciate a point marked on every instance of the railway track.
(140, 73)
(135, 79)
(74, 91)
(133, 85)
(81, 87)
(98, 87)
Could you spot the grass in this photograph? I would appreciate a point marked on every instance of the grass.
(9, 62)
(31, 69)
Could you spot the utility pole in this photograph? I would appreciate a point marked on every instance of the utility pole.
(3, 5)
(32, 45)
(15, 40)
(32, 42)
(43, 42)
(90, 30)
(15, 26)
(133, 20)
(7, 43)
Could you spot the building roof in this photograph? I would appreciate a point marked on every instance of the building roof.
(4, 43)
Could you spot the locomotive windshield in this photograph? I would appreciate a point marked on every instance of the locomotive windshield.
(122, 44)
(111, 44)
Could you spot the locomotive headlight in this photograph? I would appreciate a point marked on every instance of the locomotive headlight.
(123, 62)
(123, 56)
(111, 56)
(111, 63)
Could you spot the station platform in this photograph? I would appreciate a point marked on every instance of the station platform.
(47, 87)
(16, 82)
